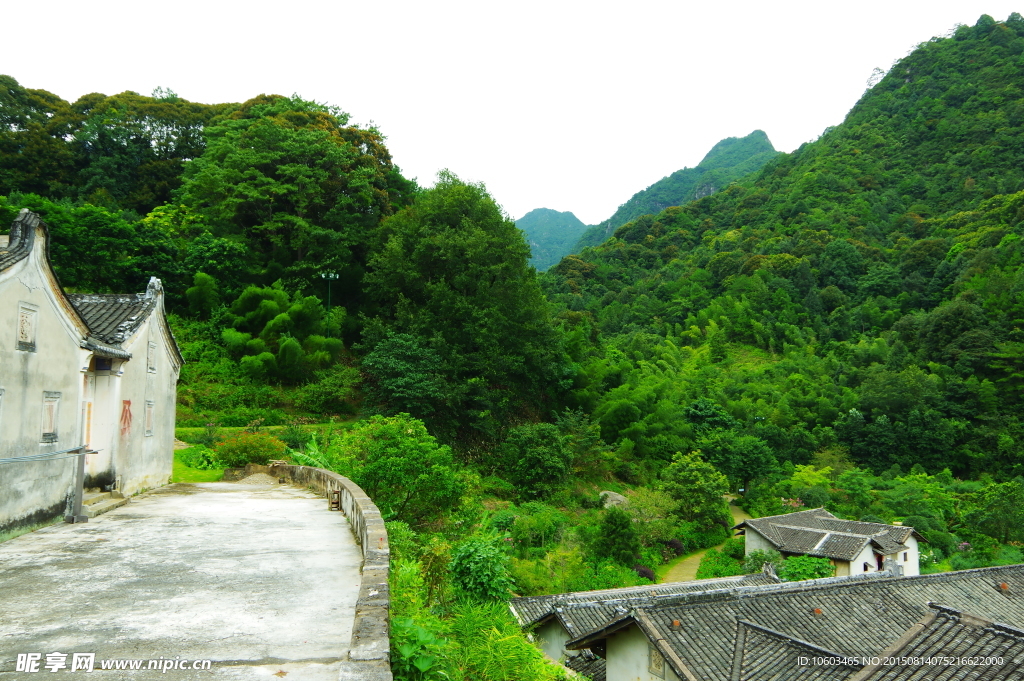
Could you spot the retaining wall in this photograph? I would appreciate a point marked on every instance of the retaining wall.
(368, 658)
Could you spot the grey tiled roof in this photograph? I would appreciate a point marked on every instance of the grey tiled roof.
(851, 616)
(948, 632)
(21, 239)
(587, 664)
(113, 318)
(817, 532)
(532, 609)
(761, 653)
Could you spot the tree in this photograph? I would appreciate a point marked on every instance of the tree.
(299, 186)
(1000, 511)
(535, 460)
(452, 272)
(408, 475)
(699, 489)
(617, 540)
(741, 457)
(204, 295)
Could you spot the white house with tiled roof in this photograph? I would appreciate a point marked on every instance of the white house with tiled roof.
(92, 371)
(853, 547)
(866, 627)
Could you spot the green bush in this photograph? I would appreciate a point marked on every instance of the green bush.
(402, 540)
(734, 547)
(479, 568)
(796, 568)
(242, 448)
(199, 457)
(756, 560)
(715, 563)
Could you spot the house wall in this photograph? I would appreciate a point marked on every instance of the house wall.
(552, 637)
(37, 491)
(755, 541)
(142, 449)
(628, 657)
(912, 565)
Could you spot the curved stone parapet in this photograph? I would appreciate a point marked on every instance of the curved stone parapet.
(368, 658)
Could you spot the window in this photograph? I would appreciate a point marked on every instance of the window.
(149, 418)
(51, 410)
(904, 556)
(27, 314)
(151, 357)
(866, 567)
(655, 662)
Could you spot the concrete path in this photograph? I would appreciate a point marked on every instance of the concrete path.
(260, 579)
(686, 569)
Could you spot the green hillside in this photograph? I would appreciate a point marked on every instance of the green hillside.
(729, 160)
(551, 234)
(864, 292)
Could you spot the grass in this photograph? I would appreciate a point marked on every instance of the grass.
(18, 531)
(182, 473)
(196, 434)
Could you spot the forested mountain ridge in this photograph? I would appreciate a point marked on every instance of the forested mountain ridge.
(551, 234)
(729, 160)
(864, 292)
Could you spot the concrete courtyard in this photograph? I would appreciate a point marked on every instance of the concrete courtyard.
(260, 579)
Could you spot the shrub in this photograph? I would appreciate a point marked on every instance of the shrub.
(402, 541)
(734, 547)
(756, 560)
(645, 572)
(714, 563)
(479, 568)
(796, 568)
(199, 457)
(242, 448)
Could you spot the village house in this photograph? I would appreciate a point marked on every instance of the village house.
(78, 371)
(556, 619)
(853, 547)
(776, 631)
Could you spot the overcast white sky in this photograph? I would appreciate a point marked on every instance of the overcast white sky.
(573, 106)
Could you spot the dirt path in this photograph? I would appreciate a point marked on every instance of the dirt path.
(686, 569)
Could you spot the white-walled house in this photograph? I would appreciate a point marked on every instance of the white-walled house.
(98, 371)
(853, 547)
(776, 631)
(558, 618)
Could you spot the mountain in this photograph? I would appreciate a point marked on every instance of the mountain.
(551, 234)
(862, 296)
(729, 160)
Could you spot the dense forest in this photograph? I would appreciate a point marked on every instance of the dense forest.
(843, 327)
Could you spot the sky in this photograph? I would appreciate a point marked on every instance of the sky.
(573, 106)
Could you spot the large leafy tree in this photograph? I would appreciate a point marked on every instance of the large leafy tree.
(452, 272)
(698, 487)
(299, 186)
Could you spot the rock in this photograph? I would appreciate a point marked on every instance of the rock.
(610, 499)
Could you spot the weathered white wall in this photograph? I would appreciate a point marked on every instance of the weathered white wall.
(628, 656)
(91, 397)
(36, 491)
(552, 637)
(755, 542)
(912, 565)
(144, 461)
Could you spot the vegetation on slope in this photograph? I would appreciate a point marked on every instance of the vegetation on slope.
(550, 234)
(729, 160)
